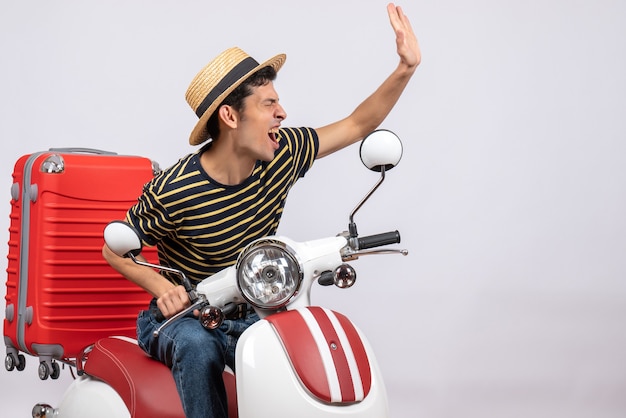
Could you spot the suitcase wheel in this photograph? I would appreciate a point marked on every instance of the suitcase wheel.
(10, 362)
(51, 370)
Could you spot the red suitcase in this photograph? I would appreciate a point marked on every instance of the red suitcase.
(61, 295)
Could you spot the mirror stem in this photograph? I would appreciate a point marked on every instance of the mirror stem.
(193, 296)
(352, 225)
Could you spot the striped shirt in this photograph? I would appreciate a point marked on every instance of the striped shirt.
(200, 226)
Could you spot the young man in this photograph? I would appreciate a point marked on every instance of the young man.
(202, 211)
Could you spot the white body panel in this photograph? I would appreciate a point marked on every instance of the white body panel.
(266, 382)
(89, 397)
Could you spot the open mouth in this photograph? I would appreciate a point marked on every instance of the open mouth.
(273, 134)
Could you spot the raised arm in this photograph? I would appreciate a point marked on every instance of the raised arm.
(373, 110)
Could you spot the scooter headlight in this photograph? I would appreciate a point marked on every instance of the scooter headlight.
(268, 274)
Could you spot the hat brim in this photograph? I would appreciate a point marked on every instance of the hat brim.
(200, 133)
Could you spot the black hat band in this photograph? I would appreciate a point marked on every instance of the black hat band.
(234, 75)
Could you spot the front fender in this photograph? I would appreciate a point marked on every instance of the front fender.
(308, 362)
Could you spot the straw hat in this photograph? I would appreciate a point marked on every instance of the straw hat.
(217, 80)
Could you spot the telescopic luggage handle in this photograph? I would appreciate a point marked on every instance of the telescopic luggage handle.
(83, 150)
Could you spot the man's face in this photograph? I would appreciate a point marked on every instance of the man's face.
(259, 122)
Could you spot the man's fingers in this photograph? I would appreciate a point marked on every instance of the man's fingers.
(173, 301)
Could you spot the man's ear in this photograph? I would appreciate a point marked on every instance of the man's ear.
(228, 116)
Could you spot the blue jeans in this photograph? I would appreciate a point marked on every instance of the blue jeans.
(196, 357)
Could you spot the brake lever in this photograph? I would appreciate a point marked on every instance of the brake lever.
(349, 254)
(199, 303)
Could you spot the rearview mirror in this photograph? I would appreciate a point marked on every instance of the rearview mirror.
(122, 239)
(381, 149)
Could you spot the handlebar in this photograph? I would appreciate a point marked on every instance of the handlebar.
(378, 240)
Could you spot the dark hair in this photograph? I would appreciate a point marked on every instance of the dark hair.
(236, 98)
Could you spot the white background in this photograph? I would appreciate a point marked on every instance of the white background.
(511, 196)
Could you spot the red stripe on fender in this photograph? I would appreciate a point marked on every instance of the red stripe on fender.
(302, 352)
(360, 354)
(338, 354)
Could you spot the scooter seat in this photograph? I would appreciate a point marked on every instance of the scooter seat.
(145, 385)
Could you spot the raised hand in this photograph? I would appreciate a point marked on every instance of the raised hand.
(406, 41)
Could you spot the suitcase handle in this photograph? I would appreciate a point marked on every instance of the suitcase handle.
(83, 150)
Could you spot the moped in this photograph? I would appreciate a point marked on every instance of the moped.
(298, 360)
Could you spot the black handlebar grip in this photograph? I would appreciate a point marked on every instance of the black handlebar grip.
(379, 240)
